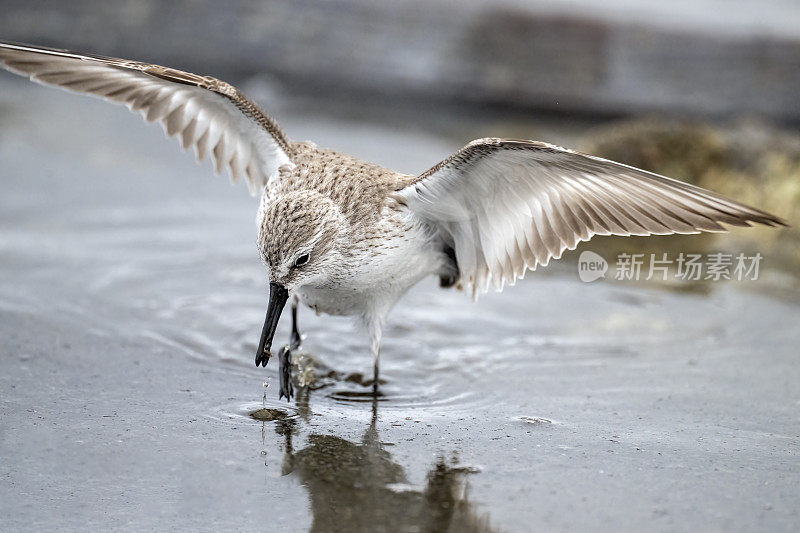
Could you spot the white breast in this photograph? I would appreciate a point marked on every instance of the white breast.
(374, 285)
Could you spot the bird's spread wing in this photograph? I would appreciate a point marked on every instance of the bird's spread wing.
(206, 113)
(508, 205)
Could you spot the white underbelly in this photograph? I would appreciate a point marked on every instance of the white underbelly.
(334, 300)
(376, 285)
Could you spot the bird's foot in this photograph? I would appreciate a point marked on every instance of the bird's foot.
(285, 373)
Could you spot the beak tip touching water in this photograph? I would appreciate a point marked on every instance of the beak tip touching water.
(262, 358)
(278, 294)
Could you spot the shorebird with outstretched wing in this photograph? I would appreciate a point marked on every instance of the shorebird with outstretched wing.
(347, 237)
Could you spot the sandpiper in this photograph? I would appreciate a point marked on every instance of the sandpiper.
(347, 237)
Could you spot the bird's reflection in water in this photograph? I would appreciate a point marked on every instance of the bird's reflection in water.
(350, 486)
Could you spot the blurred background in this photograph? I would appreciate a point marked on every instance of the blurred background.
(131, 292)
(707, 58)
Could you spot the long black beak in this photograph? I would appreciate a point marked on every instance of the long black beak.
(277, 300)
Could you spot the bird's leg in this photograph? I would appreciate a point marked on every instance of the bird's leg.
(296, 339)
(285, 373)
(376, 371)
(375, 327)
(285, 358)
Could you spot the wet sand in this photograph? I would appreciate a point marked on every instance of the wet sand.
(130, 306)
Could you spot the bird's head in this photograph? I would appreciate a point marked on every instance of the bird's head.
(298, 237)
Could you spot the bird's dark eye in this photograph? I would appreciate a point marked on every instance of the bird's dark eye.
(302, 260)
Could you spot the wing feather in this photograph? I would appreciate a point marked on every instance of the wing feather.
(509, 206)
(202, 112)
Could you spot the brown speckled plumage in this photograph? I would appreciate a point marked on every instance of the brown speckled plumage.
(328, 187)
(360, 189)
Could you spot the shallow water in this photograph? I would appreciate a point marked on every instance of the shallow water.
(130, 305)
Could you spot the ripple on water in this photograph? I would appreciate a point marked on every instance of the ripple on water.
(248, 412)
(404, 385)
(410, 397)
(464, 367)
